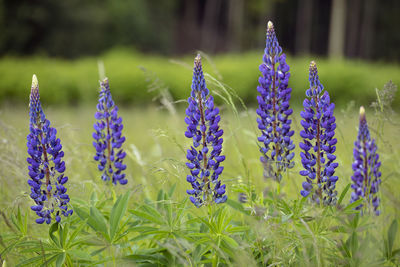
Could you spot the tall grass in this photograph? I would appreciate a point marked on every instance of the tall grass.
(150, 222)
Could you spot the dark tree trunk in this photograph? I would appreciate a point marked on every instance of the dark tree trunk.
(235, 24)
(209, 32)
(353, 28)
(187, 34)
(304, 27)
(368, 29)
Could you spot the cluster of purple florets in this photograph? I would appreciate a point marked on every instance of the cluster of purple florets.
(204, 156)
(108, 138)
(46, 165)
(366, 177)
(318, 144)
(274, 110)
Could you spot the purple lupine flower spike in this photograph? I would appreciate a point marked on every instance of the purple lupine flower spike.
(274, 110)
(108, 138)
(204, 157)
(366, 177)
(318, 144)
(46, 167)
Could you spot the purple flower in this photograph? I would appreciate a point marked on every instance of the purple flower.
(318, 144)
(46, 167)
(108, 138)
(274, 110)
(204, 156)
(366, 176)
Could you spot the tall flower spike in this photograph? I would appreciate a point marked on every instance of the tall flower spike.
(318, 158)
(46, 167)
(108, 138)
(274, 110)
(366, 176)
(204, 157)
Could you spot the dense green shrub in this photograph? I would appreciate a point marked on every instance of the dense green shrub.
(75, 81)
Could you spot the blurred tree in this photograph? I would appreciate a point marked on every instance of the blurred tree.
(358, 28)
(368, 29)
(235, 24)
(337, 29)
(304, 27)
(353, 27)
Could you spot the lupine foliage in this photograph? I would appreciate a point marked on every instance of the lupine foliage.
(274, 110)
(366, 165)
(46, 165)
(319, 142)
(204, 156)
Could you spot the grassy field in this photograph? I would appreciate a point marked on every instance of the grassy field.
(163, 229)
(131, 75)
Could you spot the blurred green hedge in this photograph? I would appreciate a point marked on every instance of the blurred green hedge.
(76, 81)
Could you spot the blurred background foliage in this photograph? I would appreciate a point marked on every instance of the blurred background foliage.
(61, 41)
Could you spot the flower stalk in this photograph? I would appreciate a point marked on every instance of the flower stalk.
(45, 163)
(274, 110)
(108, 138)
(204, 157)
(318, 144)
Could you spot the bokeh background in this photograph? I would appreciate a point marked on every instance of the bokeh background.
(143, 43)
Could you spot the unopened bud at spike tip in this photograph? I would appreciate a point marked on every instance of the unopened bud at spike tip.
(270, 25)
(362, 111)
(197, 59)
(313, 65)
(35, 82)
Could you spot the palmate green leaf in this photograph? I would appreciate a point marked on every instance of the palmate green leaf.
(153, 256)
(79, 254)
(95, 220)
(12, 241)
(148, 216)
(53, 229)
(237, 229)
(60, 259)
(51, 259)
(34, 261)
(118, 212)
(98, 221)
(231, 242)
(38, 247)
(74, 235)
(63, 232)
(350, 208)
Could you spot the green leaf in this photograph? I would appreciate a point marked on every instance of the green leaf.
(95, 220)
(98, 222)
(148, 217)
(118, 212)
(80, 254)
(350, 208)
(63, 232)
(230, 241)
(74, 234)
(391, 235)
(343, 194)
(60, 259)
(53, 228)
